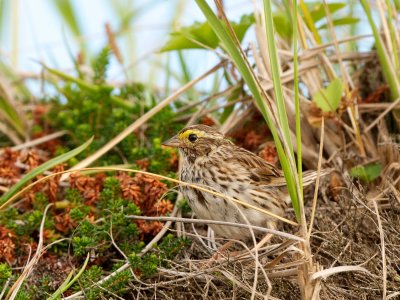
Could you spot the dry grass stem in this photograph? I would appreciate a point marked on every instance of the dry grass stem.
(12, 293)
(383, 251)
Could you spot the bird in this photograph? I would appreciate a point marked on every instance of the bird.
(212, 161)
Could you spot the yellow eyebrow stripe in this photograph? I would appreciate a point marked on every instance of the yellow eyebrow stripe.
(186, 133)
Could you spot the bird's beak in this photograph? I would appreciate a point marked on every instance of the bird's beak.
(172, 142)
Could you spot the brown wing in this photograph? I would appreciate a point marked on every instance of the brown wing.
(261, 171)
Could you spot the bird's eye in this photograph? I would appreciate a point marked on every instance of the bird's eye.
(192, 137)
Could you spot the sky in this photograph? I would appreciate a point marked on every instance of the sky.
(42, 35)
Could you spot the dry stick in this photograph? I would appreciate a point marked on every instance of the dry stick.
(28, 268)
(214, 108)
(383, 252)
(11, 134)
(372, 107)
(395, 294)
(314, 204)
(309, 52)
(333, 271)
(38, 141)
(139, 122)
(384, 113)
(5, 286)
(394, 191)
(127, 265)
(201, 221)
(212, 97)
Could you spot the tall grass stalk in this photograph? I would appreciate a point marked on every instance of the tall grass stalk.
(297, 101)
(280, 103)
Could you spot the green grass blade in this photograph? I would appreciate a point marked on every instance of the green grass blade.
(392, 34)
(309, 21)
(67, 283)
(280, 103)
(276, 74)
(40, 169)
(297, 101)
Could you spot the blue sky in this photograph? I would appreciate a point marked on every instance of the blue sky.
(42, 36)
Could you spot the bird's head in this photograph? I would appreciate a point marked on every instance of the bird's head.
(197, 140)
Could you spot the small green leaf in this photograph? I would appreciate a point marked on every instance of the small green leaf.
(328, 99)
(40, 169)
(283, 25)
(202, 36)
(244, 24)
(367, 173)
(317, 9)
(341, 22)
(196, 36)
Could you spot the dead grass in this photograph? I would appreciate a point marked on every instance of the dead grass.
(345, 233)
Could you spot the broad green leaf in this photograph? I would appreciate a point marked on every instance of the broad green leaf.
(244, 24)
(317, 9)
(283, 25)
(341, 22)
(202, 36)
(196, 36)
(40, 169)
(328, 99)
(367, 173)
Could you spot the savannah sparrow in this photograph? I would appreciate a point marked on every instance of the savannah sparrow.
(212, 161)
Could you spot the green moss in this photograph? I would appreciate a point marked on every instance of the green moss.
(41, 201)
(79, 213)
(5, 273)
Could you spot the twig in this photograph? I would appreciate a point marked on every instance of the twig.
(314, 204)
(384, 113)
(202, 221)
(38, 141)
(29, 267)
(383, 252)
(332, 271)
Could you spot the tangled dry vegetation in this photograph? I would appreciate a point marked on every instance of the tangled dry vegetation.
(134, 237)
